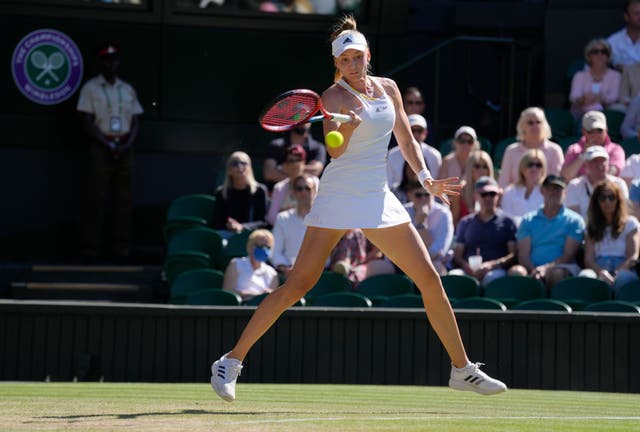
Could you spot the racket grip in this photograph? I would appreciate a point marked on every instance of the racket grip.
(340, 118)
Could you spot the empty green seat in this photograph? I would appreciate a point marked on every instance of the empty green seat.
(214, 297)
(613, 306)
(328, 283)
(404, 301)
(579, 291)
(386, 285)
(255, 301)
(460, 286)
(561, 122)
(630, 146)
(501, 146)
(543, 304)
(342, 299)
(614, 121)
(189, 211)
(479, 303)
(195, 280)
(629, 292)
(511, 290)
(191, 249)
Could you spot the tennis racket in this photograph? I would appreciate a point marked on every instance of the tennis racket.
(294, 108)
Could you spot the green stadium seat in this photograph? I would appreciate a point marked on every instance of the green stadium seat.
(191, 249)
(342, 299)
(501, 146)
(613, 306)
(567, 141)
(189, 211)
(255, 301)
(580, 291)
(479, 303)
(561, 121)
(404, 301)
(460, 286)
(630, 146)
(629, 292)
(328, 283)
(236, 247)
(543, 304)
(511, 290)
(379, 288)
(194, 280)
(614, 121)
(214, 297)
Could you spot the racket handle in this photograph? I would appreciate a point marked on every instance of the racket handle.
(340, 118)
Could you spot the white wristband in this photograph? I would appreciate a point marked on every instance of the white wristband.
(424, 175)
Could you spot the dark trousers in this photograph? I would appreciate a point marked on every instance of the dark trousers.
(109, 181)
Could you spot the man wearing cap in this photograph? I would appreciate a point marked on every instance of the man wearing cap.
(282, 197)
(315, 159)
(465, 140)
(110, 110)
(487, 233)
(549, 238)
(596, 164)
(594, 131)
(395, 160)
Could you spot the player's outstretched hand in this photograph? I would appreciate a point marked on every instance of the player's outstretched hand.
(443, 188)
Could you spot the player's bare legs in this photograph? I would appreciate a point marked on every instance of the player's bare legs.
(402, 245)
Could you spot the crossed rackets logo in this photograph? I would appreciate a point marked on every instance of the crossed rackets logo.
(47, 65)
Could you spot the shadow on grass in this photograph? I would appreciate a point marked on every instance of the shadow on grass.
(183, 412)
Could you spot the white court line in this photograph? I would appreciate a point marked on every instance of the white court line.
(434, 417)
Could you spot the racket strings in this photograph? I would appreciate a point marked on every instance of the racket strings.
(290, 110)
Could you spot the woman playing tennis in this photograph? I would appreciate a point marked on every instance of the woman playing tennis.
(353, 193)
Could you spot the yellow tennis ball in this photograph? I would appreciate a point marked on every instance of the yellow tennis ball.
(334, 139)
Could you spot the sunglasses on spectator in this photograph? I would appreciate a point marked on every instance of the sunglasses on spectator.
(465, 140)
(417, 130)
(488, 194)
(414, 102)
(597, 130)
(300, 188)
(599, 51)
(534, 122)
(607, 197)
(480, 166)
(419, 194)
(237, 163)
(534, 165)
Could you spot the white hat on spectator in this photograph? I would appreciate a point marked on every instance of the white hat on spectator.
(417, 120)
(466, 130)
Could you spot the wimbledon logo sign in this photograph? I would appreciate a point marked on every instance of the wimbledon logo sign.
(47, 66)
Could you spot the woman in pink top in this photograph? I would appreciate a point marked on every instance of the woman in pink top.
(598, 86)
(465, 140)
(533, 133)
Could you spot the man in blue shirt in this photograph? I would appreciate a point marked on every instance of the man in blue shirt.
(548, 239)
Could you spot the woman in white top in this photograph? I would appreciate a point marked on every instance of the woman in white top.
(534, 132)
(524, 196)
(354, 194)
(611, 237)
(251, 275)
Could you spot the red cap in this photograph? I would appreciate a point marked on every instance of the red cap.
(298, 151)
(108, 50)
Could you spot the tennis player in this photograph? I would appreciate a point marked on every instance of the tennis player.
(353, 193)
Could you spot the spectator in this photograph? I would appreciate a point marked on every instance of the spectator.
(356, 258)
(465, 141)
(408, 177)
(289, 228)
(479, 164)
(625, 44)
(634, 197)
(251, 275)
(316, 154)
(395, 159)
(548, 239)
(524, 196)
(597, 86)
(433, 222)
(413, 101)
(580, 189)
(282, 198)
(594, 133)
(630, 127)
(241, 202)
(487, 233)
(631, 169)
(110, 111)
(629, 85)
(611, 238)
(534, 132)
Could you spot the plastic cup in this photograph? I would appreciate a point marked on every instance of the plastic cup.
(475, 261)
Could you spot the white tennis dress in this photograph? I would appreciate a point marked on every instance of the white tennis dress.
(353, 190)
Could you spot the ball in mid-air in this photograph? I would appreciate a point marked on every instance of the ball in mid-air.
(334, 139)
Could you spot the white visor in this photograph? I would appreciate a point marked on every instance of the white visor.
(349, 40)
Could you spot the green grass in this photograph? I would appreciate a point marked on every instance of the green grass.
(92, 407)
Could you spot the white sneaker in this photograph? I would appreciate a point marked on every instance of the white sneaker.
(224, 373)
(471, 378)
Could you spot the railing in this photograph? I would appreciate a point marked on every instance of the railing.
(506, 110)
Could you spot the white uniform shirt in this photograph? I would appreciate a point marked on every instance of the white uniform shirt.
(623, 50)
(395, 163)
(631, 167)
(106, 101)
(515, 205)
(579, 192)
(288, 232)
